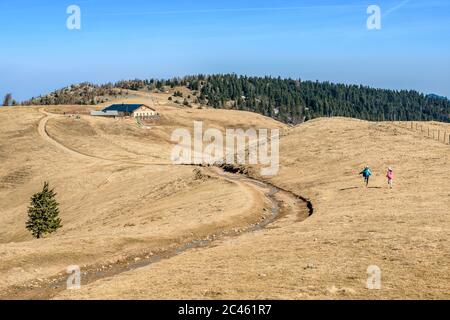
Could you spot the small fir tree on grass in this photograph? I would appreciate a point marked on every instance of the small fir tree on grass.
(43, 213)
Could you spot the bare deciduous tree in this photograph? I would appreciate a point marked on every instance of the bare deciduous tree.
(7, 100)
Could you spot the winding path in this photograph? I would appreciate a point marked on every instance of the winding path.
(283, 203)
(42, 129)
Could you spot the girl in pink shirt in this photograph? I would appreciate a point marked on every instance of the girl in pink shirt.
(390, 176)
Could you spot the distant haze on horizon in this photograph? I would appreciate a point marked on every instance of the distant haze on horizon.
(313, 40)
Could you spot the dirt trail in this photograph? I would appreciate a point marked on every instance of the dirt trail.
(282, 202)
(42, 129)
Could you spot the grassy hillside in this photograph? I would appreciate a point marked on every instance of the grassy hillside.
(122, 202)
(120, 197)
(403, 231)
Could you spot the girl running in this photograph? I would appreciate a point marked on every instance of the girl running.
(390, 177)
(366, 173)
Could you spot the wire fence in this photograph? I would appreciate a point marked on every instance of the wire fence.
(427, 131)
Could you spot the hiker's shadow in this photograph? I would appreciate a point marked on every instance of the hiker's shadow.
(350, 188)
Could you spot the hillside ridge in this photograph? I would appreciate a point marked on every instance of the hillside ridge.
(288, 100)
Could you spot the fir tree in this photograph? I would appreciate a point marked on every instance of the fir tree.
(43, 213)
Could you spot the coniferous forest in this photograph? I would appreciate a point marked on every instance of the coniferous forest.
(287, 100)
(294, 101)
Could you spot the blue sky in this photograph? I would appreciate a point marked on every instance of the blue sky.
(311, 40)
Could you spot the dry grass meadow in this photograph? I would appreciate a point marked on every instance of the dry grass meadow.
(122, 202)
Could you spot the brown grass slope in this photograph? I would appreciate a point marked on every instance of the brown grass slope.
(403, 231)
(118, 202)
(115, 204)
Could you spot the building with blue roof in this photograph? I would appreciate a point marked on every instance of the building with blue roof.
(127, 110)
